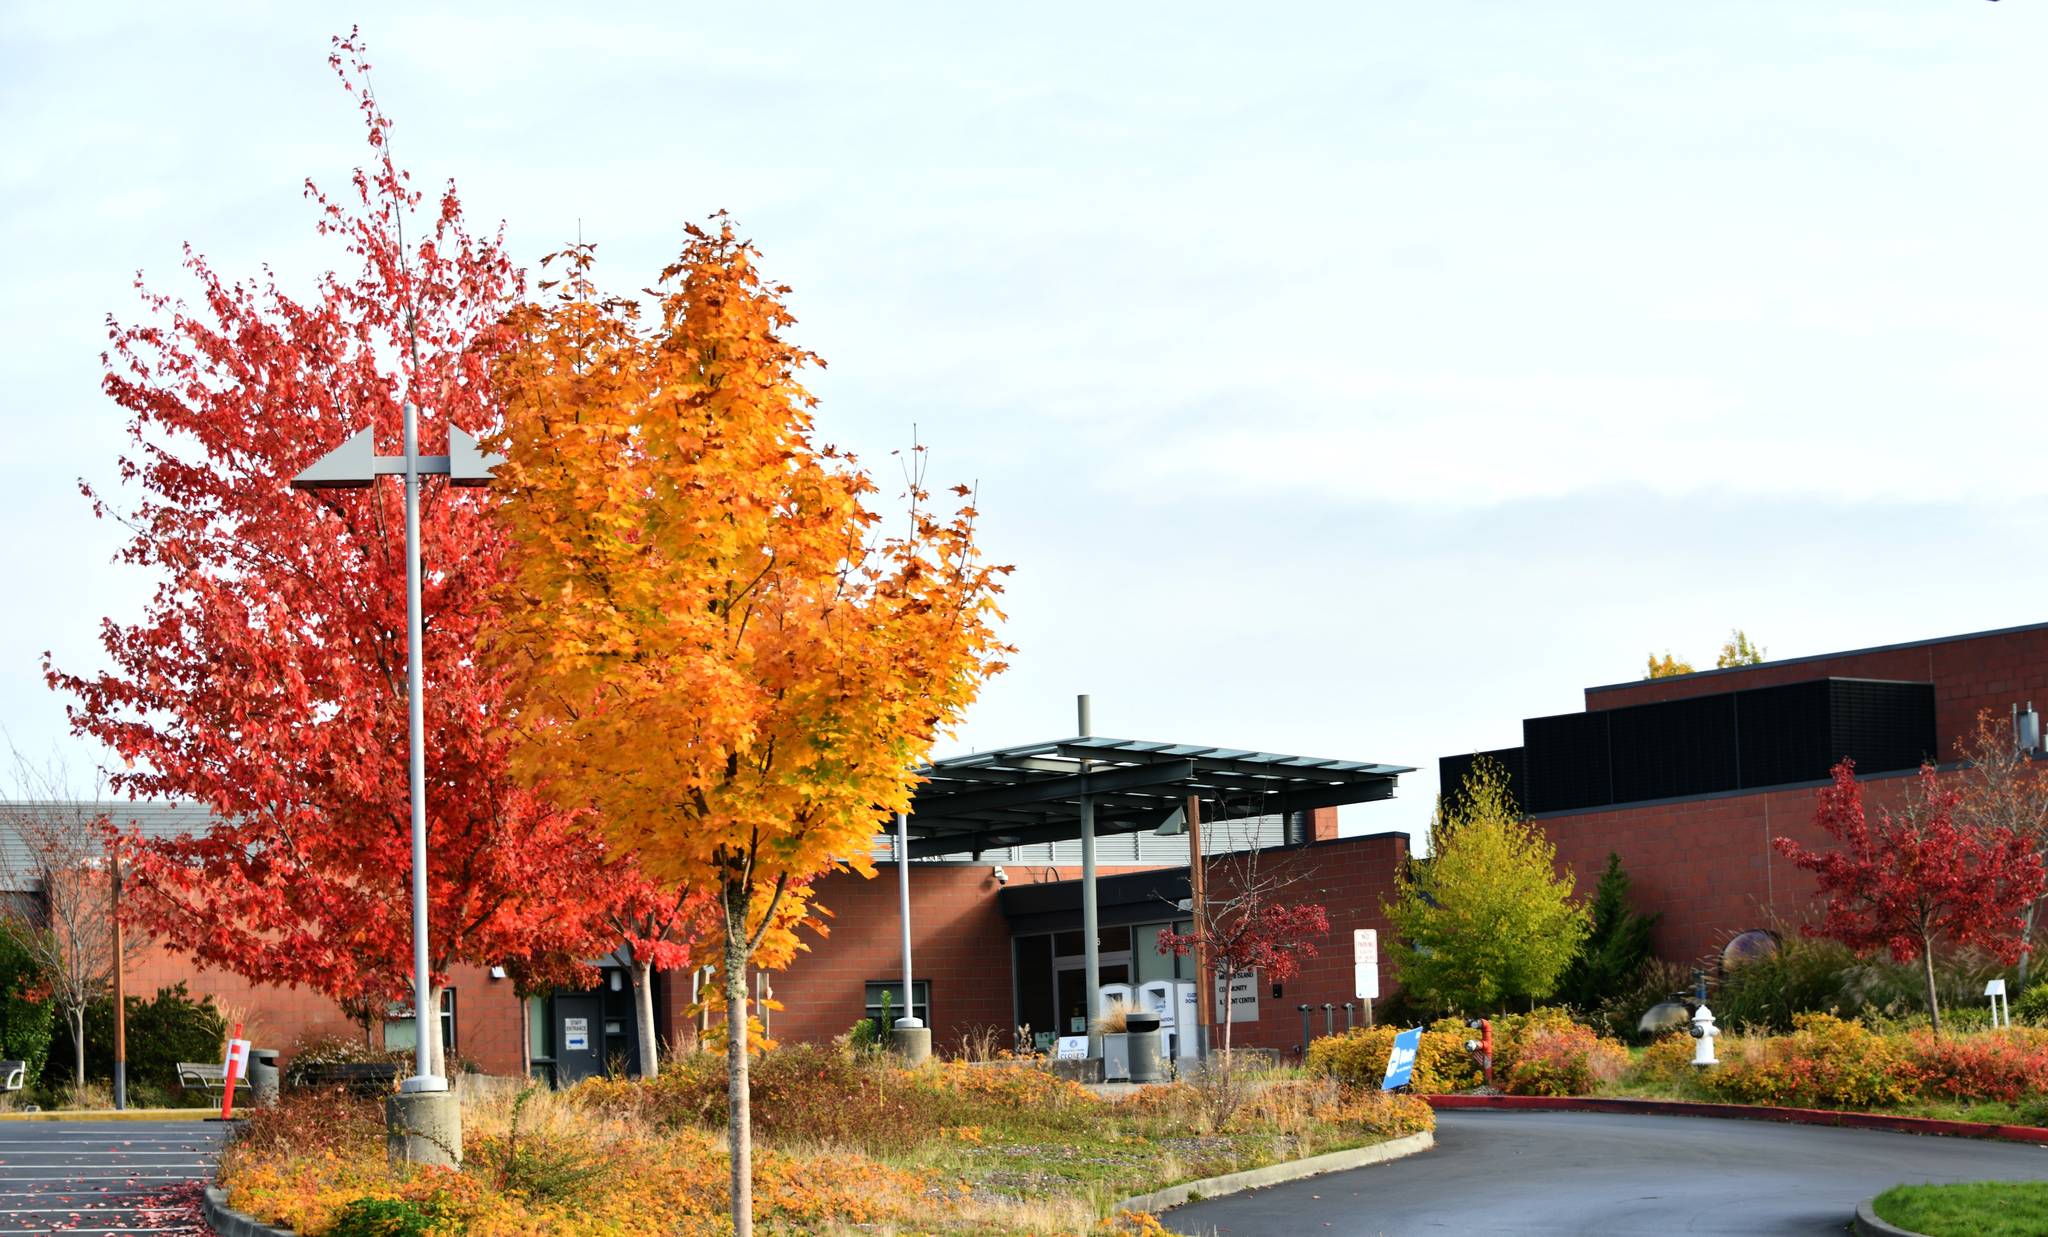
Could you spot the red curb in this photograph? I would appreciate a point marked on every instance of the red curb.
(1749, 1112)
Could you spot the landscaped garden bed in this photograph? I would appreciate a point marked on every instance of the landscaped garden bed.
(846, 1141)
(1997, 1077)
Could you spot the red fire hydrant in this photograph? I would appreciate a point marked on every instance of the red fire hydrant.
(1482, 1048)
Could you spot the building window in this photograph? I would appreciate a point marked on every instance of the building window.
(399, 1024)
(921, 993)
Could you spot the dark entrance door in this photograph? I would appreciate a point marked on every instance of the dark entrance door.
(579, 1037)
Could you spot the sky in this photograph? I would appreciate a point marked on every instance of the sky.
(1348, 380)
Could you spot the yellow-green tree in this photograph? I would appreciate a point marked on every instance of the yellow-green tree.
(1667, 666)
(1738, 651)
(718, 649)
(1486, 919)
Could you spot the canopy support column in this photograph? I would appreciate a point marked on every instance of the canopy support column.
(1091, 950)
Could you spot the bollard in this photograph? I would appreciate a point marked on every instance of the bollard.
(1349, 1022)
(1329, 1018)
(1306, 1034)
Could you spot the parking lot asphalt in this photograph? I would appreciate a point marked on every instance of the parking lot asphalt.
(106, 1178)
(1595, 1173)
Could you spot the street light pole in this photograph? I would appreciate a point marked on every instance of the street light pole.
(355, 465)
(424, 1078)
(120, 996)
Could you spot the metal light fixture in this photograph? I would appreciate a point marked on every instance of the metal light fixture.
(354, 465)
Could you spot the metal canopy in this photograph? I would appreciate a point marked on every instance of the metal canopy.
(1021, 795)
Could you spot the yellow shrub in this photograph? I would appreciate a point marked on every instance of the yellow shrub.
(1359, 1057)
(1668, 1062)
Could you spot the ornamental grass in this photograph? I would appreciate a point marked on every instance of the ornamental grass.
(844, 1142)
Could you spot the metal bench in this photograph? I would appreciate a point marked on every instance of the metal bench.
(365, 1077)
(203, 1076)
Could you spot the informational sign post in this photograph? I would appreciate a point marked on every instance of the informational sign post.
(1365, 964)
(1243, 999)
(1071, 1048)
(1401, 1061)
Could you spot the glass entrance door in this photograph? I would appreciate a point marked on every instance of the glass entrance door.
(1070, 988)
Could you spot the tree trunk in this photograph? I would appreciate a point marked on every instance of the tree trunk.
(1226, 976)
(739, 1119)
(525, 1040)
(1927, 970)
(76, 1015)
(2027, 939)
(643, 1005)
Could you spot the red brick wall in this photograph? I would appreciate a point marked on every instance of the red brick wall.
(1708, 865)
(959, 941)
(486, 1012)
(1350, 877)
(1969, 673)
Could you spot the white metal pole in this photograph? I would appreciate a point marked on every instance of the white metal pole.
(909, 1018)
(426, 1079)
(1090, 947)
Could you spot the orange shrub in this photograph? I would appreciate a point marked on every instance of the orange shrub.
(1563, 1060)
(1990, 1065)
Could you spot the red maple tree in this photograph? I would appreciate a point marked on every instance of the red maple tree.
(1250, 930)
(265, 677)
(1912, 880)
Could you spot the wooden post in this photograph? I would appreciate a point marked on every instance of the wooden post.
(1205, 996)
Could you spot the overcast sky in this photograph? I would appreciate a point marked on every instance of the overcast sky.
(1350, 381)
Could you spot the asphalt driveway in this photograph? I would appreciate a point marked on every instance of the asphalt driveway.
(106, 1178)
(1558, 1172)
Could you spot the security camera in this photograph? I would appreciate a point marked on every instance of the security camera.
(1002, 877)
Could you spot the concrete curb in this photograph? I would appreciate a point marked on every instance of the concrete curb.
(228, 1222)
(1747, 1112)
(1275, 1174)
(1868, 1224)
(111, 1114)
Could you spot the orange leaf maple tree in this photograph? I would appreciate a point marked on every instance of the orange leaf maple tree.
(718, 647)
(266, 675)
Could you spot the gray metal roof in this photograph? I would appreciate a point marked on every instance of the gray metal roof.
(1022, 796)
(168, 819)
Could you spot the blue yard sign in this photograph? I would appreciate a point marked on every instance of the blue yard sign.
(1401, 1061)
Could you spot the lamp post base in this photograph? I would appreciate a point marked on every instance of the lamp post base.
(912, 1041)
(424, 1127)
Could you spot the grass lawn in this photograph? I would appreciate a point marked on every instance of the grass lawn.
(1979, 1209)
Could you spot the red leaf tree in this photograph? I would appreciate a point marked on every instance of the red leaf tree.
(1912, 880)
(265, 677)
(1248, 926)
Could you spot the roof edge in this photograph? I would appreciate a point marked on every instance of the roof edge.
(1812, 657)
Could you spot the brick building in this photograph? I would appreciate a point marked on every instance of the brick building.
(1689, 778)
(995, 913)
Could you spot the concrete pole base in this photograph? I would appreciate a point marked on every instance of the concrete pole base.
(913, 1044)
(424, 1127)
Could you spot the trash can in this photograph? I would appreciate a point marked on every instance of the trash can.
(1147, 1047)
(263, 1076)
